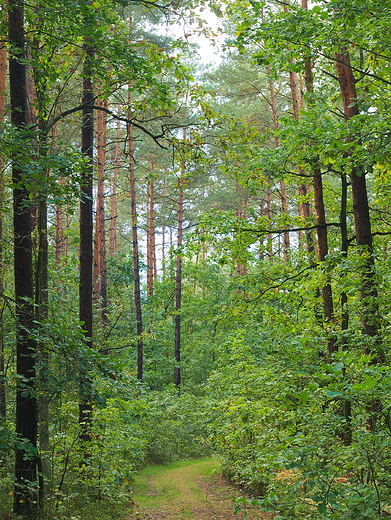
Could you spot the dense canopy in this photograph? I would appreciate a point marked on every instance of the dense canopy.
(195, 252)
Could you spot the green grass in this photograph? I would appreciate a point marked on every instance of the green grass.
(156, 485)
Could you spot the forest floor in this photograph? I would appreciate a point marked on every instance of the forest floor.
(187, 490)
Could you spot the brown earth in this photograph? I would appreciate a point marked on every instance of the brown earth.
(191, 490)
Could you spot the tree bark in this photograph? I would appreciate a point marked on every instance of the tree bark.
(370, 315)
(136, 261)
(100, 281)
(151, 254)
(178, 283)
(3, 84)
(25, 497)
(113, 248)
(86, 241)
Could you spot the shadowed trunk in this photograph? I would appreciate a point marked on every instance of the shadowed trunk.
(370, 315)
(25, 496)
(86, 244)
(178, 283)
(3, 83)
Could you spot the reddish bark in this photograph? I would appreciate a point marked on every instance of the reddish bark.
(151, 253)
(100, 287)
(370, 315)
(113, 248)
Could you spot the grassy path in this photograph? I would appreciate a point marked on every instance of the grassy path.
(186, 490)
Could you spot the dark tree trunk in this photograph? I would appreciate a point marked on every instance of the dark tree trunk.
(178, 285)
(42, 311)
(86, 241)
(25, 497)
(344, 250)
(322, 234)
(3, 83)
(136, 262)
(370, 315)
(327, 296)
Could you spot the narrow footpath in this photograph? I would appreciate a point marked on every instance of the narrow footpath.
(187, 490)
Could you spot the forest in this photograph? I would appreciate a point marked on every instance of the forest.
(195, 223)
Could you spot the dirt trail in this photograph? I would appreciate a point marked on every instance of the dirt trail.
(189, 490)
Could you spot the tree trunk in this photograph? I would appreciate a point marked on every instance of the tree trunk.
(100, 285)
(370, 315)
(42, 311)
(3, 83)
(284, 200)
(327, 297)
(113, 249)
(178, 283)
(86, 241)
(136, 262)
(164, 252)
(25, 497)
(322, 234)
(151, 255)
(269, 219)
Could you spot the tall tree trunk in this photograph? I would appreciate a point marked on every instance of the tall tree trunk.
(297, 101)
(113, 249)
(327, 296)
(42, 311)
(164, 252)
(370, 315)
(86, 241)
(284, 200)
(3, 84)
(59, 226)
(178, 282)
(269, 220)
(322, 234)
(151, 254)
(25, 497)
(100, 286)
(136, 262)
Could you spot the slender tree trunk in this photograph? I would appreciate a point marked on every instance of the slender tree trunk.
(178, 282)
(42, 311)
(151, 255)
(113, 249)
(3, 83)
(25, 497)
(86, 241)
(370, 315)
(322, 234)
(269, 219)
(297, 101)
(347, 433)
(136, 262)
(284, 200)
(327, 296)
(59, 228)
(164, 251)
(344, 251)
(100, 286)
